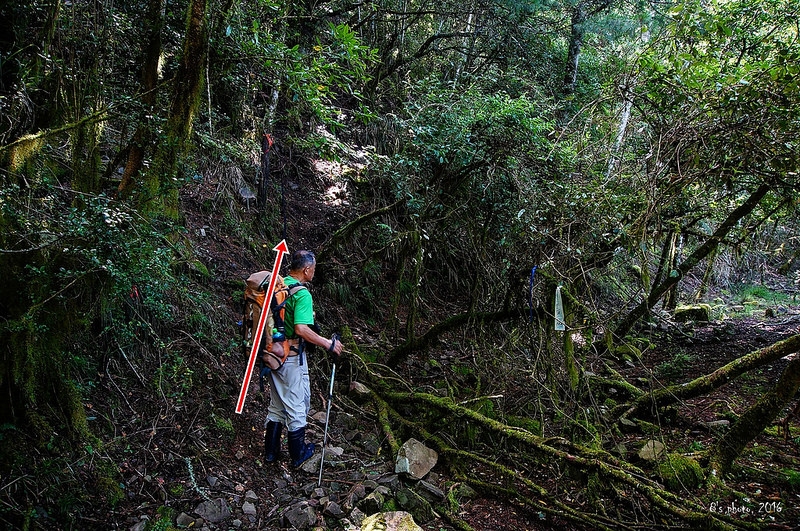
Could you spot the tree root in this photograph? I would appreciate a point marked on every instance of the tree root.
(623, 476)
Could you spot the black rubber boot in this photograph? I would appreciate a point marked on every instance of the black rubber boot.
(272, 441)
(299, 451)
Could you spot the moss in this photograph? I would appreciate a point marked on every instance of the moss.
(526, 423)
(627, 352)
(680, 472)
(695, 312)
(648, 427)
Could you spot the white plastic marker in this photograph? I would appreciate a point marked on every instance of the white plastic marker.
(559, 310)
(259, 331)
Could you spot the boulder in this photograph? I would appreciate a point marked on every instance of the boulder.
(215, 511)
(652, 451)
(300, 516)
(694, 312)
(415, 459)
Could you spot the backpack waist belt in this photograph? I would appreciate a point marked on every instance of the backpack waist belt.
(294, 346)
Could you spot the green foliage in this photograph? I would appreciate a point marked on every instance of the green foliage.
(792, 477)
(673, 369)
(749, 293)
(224, 425)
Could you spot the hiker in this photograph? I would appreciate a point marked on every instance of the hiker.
(290, 392)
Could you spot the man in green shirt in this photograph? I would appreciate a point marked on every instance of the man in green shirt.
(290, 392)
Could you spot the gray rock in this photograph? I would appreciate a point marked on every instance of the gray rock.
(373, 503)
(357, 516)
(333, 509)
(184, 520)
(215, 511)
(415, 459)
(652, 451)
(356, 494)
(430, 492)
(391, 482)
(300, 516)
(415, 504)
(717, 424)
(249, 508)
(359, 391)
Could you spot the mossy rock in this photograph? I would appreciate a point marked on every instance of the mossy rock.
(628, 352)
(648, 427)
(679, 472)
(694, 312)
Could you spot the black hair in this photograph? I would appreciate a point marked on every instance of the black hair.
(302, 259)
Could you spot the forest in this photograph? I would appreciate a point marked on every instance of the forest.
(559, 241)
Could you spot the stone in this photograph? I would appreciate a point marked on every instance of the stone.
(430, 492)
(333, 509)
(249, 508)
(717, 424)
(415, 504)
(391, 482)
(680, 473)
(357, 517)
(391, 521)
(300, 516)
(373, 503)
(184, 520)
(359, 391)
(215, 511)
(312, 465)
(415, 459)
(652, 451)
(694, 312)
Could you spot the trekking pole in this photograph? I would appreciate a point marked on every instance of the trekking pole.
(327, 420)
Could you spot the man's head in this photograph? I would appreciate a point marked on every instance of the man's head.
(303, 263)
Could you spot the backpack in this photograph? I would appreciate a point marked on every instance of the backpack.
(272, 354)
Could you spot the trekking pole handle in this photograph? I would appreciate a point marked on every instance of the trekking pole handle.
(334, 339)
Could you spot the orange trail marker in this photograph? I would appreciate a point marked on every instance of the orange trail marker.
(259, 332)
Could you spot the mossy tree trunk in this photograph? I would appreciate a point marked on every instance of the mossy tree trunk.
(754, 420)
(162, 182)
(143, 137)
(704, 384)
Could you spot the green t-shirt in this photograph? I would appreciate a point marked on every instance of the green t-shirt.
(299, 308)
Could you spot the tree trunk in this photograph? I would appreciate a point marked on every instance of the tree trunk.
(754, 420)
(704, 283)
(671, 296)
(699, 254)
(143, 136)
(574, 52)
(718, 378)
(162, 182)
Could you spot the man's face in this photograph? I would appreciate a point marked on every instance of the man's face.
(310, 270)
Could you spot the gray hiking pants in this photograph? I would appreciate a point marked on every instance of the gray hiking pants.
(290, 393)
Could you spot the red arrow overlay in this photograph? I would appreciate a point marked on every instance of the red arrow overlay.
(259, 332)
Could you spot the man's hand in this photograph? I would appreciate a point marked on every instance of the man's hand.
(335, 347)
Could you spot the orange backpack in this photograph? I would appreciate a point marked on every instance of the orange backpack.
(272, 354)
